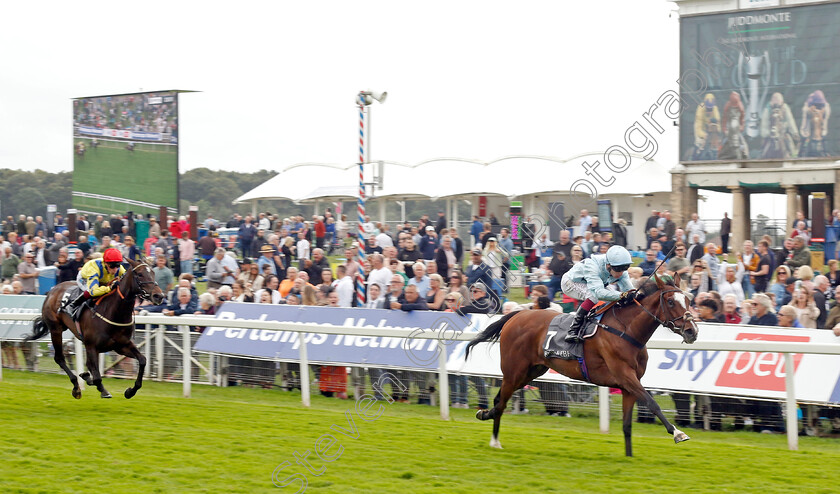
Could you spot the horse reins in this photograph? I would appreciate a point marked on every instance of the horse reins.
(671, 323)
(143, 294)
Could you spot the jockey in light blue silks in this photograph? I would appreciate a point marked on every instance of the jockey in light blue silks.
(588, 281)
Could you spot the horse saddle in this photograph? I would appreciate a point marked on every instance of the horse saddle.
(70, 295)
(556, 346)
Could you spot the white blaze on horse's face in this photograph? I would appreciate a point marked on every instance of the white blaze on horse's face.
(681, 299)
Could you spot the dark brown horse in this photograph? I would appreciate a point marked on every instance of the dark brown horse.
(109, 326)
(615, 356)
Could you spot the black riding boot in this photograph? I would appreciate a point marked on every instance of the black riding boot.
(574, 332)
(73, 307)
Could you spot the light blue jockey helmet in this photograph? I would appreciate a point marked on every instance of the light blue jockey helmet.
(617, 256)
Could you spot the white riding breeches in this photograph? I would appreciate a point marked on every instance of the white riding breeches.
(577, 290)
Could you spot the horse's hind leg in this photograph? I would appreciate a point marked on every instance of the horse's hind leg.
(627, 402)
(509, 386)
(131, 350)
(58, 346)
(93, 367)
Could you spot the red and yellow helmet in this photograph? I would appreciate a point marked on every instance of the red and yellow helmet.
(112, 255)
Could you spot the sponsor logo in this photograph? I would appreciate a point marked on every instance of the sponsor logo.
(758, 370)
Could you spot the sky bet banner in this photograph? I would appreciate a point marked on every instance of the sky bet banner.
(759, 84)
(344, 349)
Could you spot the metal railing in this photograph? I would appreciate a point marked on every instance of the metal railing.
(788, 349)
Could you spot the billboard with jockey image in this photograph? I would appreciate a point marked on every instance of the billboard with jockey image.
(759, 84)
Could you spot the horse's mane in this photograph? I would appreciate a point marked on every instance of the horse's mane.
(649, 286)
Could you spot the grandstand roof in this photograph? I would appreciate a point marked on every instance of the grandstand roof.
(512, 176)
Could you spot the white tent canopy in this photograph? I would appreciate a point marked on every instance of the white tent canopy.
(513, 176)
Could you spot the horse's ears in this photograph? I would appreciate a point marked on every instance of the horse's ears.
(659, 283)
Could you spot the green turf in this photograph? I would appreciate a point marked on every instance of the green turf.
(231, 439)
(148, 174)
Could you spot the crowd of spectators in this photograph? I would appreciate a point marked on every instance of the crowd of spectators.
(428, 266)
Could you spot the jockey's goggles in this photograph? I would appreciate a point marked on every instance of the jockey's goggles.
(620, 269)
(113, 264)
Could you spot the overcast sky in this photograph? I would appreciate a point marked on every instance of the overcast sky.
(472, 79)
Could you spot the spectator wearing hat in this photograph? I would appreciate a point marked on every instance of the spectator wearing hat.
(429, 243)
(481, 301)
(266, 259)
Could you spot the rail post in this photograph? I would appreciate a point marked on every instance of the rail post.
(790, 405)
(185, 332)
(304, 370)
(604, 409)
(443, 382)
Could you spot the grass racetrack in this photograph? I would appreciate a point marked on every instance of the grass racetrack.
(232, 439)
(147, 174)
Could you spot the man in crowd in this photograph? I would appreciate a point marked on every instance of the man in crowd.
(725, 230)
(800, 255)
(696, 226)
(221, 270)
(28, 273)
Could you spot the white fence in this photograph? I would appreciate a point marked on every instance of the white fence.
(788, 349)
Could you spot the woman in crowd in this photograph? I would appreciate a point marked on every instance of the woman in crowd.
(271, 285)
(495, 258)
(456, 285)
(730, 310)
(288, 250)
(241, 293)
(833, 274)
(779, 288)
(266, 296)
(252, 278)
(806, 274)
(374, 299)
(729, 281)
(308, 295)
(805, 307)
(436, 293)
(701, 268)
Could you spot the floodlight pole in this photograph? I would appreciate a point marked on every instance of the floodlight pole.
(363, 100)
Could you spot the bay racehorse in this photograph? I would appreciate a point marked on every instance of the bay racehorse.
(615, 356)
(108, 326)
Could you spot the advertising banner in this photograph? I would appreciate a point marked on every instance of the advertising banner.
(18, 304)
(759, 374)
(759, 84)
(339, 349)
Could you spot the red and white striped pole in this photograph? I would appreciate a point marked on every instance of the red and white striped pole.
(360, 275)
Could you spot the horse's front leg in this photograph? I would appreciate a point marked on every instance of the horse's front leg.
(131, 350)
(634, 387)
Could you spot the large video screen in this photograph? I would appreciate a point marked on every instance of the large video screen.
(125, 153)
(760, 83)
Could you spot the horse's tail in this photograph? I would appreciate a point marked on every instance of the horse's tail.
(39, 328)
(491, 333)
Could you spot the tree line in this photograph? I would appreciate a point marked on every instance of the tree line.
(213, 191)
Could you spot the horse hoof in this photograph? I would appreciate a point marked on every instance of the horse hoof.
(680, 436)
(106, 395)
(494, 443)
(129, 393)
(77, 393)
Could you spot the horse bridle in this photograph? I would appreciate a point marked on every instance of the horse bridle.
(143, 293)
(671, 323)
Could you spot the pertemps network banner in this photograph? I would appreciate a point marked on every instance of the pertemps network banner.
(125, 152)
(339, 349)
(759, 84)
